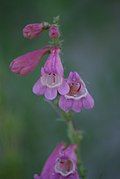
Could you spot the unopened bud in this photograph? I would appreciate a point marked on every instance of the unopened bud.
(54, 32)
(31, 31)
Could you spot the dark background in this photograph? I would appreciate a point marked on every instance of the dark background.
(28, 127)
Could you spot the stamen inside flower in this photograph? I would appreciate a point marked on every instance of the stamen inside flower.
(51, 80)
(74, 88)
(77, 90)
(64, 166)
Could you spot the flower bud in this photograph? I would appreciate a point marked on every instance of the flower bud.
(26, 63)
(31, 31)
(54, 32)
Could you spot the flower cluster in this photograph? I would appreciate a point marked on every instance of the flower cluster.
(71, 92)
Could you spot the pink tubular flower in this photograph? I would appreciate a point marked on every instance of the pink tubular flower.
(78, 96)
(62, 164)
(28, 62)
(54, 32)
(31, 31)
(51, 79)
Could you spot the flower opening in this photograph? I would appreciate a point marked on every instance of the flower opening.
(77, 90)
(51, 80)
(64, 166)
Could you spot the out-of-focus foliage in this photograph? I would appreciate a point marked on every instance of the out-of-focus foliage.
(28, 126)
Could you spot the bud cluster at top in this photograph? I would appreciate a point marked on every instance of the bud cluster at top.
(32, 31)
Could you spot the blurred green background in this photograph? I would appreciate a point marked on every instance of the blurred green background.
(28, 127)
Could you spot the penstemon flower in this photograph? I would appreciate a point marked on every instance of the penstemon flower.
(25, 64)
(61, 164)
(51, 80)
(78, 96)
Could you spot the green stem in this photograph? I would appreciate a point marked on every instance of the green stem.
(75, 137)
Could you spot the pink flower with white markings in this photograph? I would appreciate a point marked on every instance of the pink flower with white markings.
(51, 80)
(25, 64)
(78, 96)
(61, 164)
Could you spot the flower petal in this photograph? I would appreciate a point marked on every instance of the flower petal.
(88, 102)
(65, 104)
(73, 77)
(53, 64)
(64, 88)
(70, 152)
(50, 93)
(56, 176)
(77, 105)
(48, 170)
(25, 71)
(38, 88)
(73, 176)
